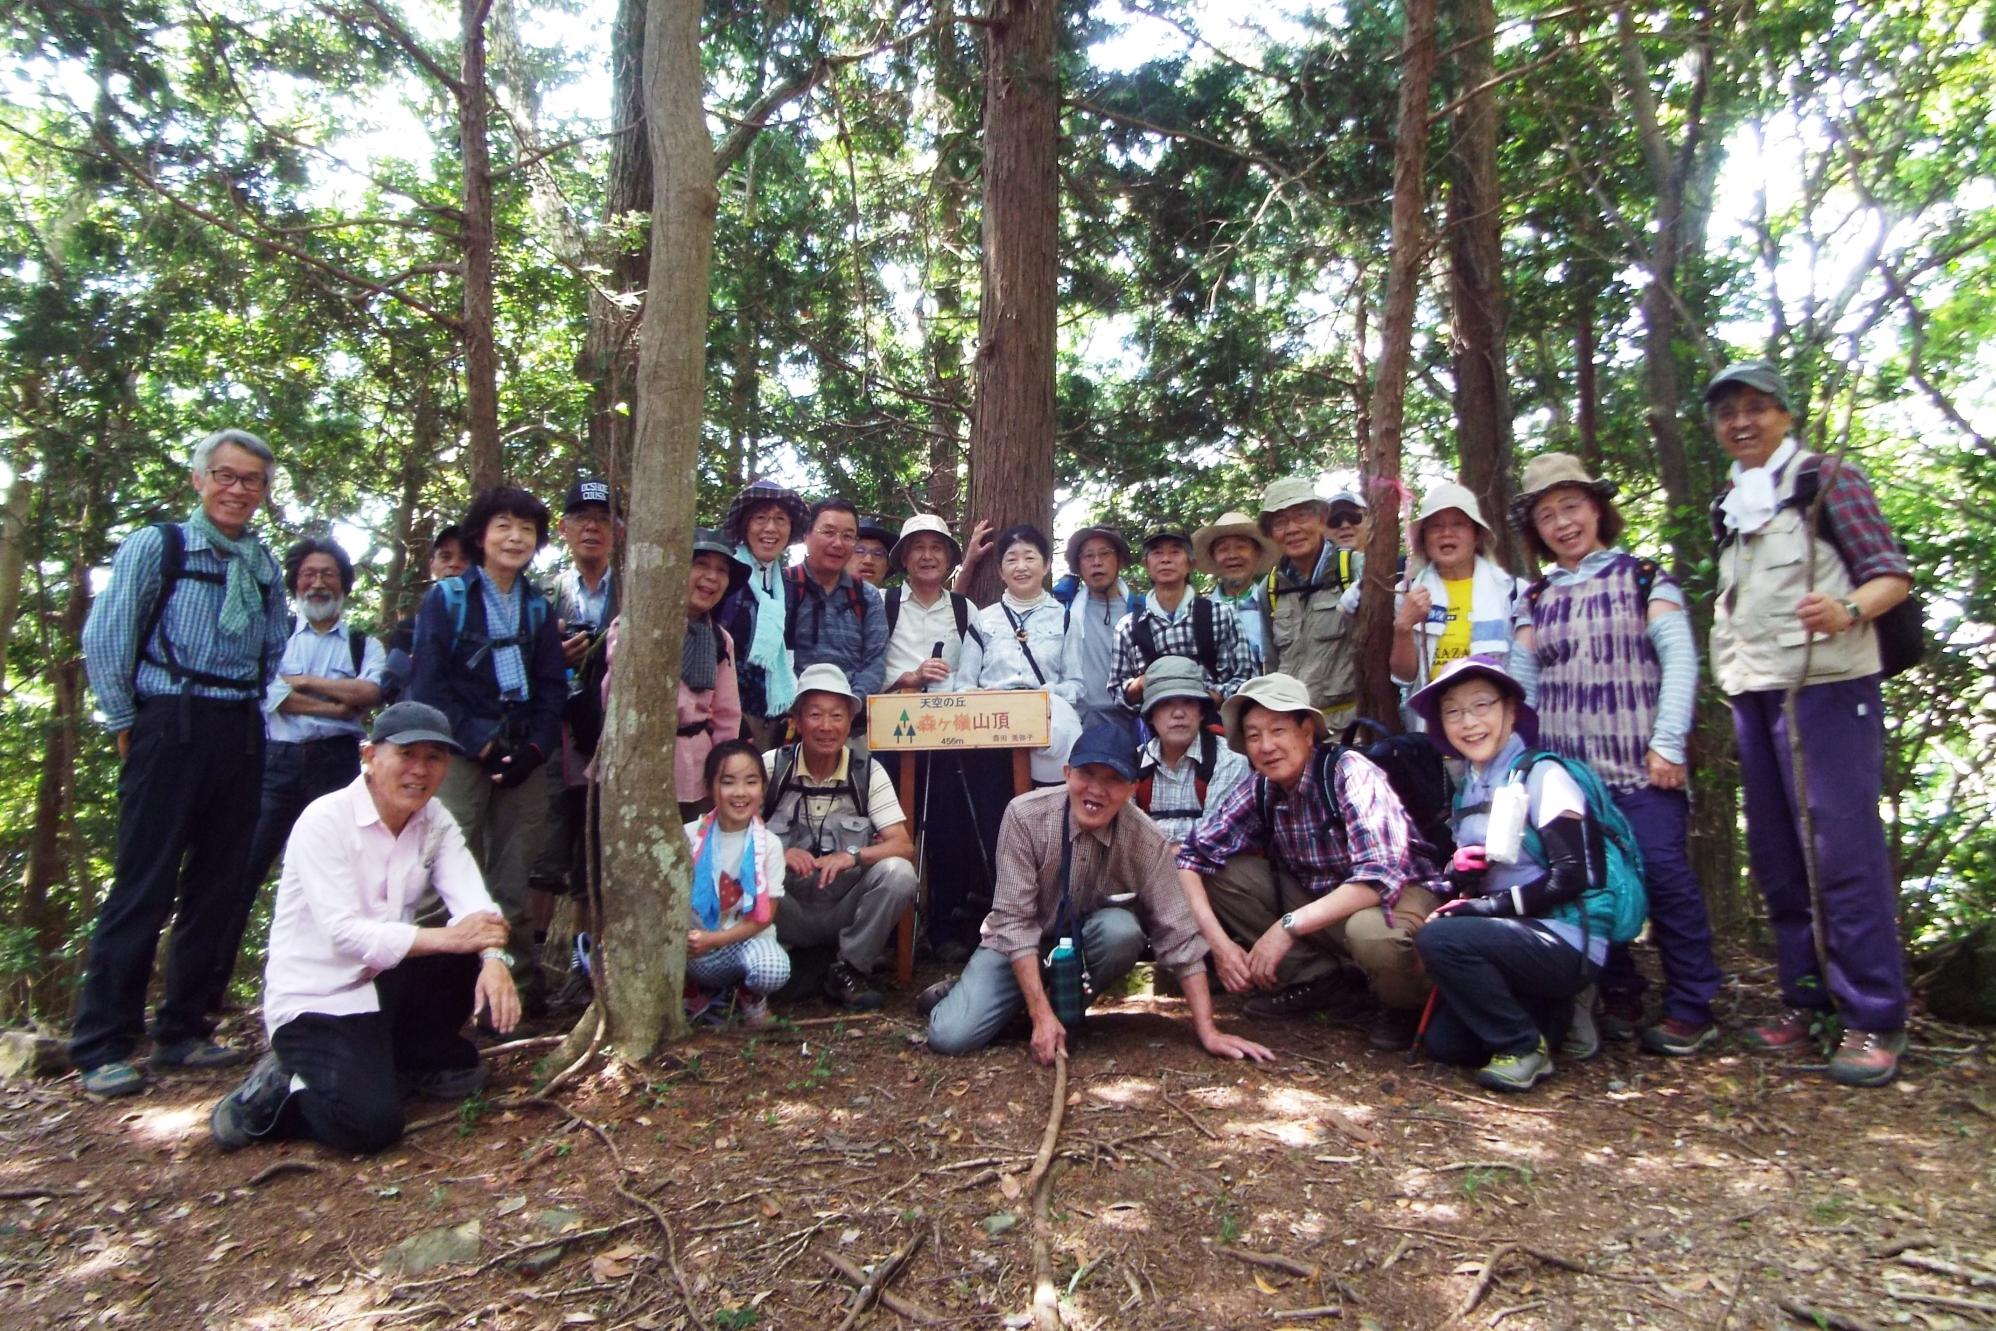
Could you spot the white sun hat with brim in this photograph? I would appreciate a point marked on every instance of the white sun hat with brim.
(1232, 523)
(1440, 499)
(923, 524)
(825, 677)
(1277, 693)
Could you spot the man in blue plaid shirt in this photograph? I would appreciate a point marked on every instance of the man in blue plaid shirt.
(180, 648)
(1173, 620)
(1289, 878)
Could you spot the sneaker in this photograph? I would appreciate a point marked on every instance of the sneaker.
(250, 1111)
(705, 1009)
(1789, 1033)
(198, 1054)
(453, 1083)
(1621, 1016)
(752, 1010)
(1868, 1058)
(847, 988)
(1330, 994)
(1677, 1037)
(1583, 1037)
(109, 1080)
(1392, 1029)
(1516, 1072)
(932, 997)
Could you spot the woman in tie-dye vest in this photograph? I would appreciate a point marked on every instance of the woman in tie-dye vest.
(1605, 652)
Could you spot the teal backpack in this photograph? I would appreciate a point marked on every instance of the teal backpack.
(454, 590)
(1618, 906)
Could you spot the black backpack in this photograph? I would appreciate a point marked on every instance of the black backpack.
(172, 570)
(1902, 630)
(1413, 767)
(959, 605)
(1205, 645)
(784, 779)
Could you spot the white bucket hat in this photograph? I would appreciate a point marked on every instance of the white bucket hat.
(825, 677)
(923, 524)
(1277, 693)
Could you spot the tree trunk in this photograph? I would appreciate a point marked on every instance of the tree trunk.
(647, 876)
(13, 554)
(943, 491)
(47, 865)
(1012, 422)
(481, 355)
(396, 592)
(609, 360)
(1377, 697)
(1586, 393)
(744, 387)
(1476, 280)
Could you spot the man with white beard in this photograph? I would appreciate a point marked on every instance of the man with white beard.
(315, 710)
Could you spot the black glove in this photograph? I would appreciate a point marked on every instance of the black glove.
(1486, 906)
(517, 766)
(1468, 883)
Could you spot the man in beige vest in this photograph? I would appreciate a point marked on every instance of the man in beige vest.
(1312, 627)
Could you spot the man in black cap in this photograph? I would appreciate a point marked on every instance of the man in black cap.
(1173, 620)
(869, 558)
(585, 600)
(1078, 862)
(363, 1005)
(1098, 555)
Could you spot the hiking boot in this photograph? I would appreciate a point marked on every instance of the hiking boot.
(197, 1054)
(847, 988)
(1792, 1031)
(1868, 1058)
(1392, 1029)
(932, 997)
(453, 1083)
(107, 1081)
(1621, 1017)
(1516, 1072)
(250, 1111)
(1583, 1038)
(752, 1010)
(1677, 1037)
(1330, 994)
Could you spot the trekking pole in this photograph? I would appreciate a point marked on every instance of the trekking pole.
(1421, 1031)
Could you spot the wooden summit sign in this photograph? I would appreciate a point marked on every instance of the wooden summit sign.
(979, 719)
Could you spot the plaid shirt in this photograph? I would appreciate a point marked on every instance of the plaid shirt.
(828, 630)
(1373, 842)
(1174, 636)
(1854, 525)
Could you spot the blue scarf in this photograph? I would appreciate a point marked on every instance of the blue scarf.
(502, 621)
(767, 651)
(707, 882)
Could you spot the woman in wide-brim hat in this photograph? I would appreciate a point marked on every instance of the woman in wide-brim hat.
(1605, 651)
(763, 519)
(1458, 601)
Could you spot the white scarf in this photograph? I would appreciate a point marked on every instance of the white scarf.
(1750, 503)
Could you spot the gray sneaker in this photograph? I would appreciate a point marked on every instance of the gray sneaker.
(1583, 1037)
(453, 1083)
(250, 1111)
(1516, 1072)
(197, 1054)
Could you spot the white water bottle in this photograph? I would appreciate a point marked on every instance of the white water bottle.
(1504, 836)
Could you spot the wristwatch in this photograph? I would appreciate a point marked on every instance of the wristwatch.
(852, 851)
(498, 954)
(1289, 923)
(1855, 611)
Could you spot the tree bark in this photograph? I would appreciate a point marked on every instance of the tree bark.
(13, 554)
(1476, 279)
(47, 864)
(943, 491)
(647, 876)
(481, 354)
(609, 360)
(1012, 421)
(1377, 698)
(744, 385)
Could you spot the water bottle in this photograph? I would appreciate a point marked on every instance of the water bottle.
(1504, 836)
(1063, 984)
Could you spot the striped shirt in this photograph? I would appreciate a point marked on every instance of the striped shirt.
(192, 620)
(328, 656)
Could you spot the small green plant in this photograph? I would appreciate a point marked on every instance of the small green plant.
(1230, 1228)
(439, 1194)
(734, 1319)
(820, 1073)
(469, 1113)
(1829, 1211)
(770, 1118)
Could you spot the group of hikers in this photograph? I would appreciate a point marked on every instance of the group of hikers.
(1208, 794)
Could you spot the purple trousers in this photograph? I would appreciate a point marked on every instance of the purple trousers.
(1843, 736)
(1679, 924)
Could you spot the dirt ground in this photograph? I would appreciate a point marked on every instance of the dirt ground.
(1730, 1190)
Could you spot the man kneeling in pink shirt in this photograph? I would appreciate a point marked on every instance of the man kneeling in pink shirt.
(363, 1005)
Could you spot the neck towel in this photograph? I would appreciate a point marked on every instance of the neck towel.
(1750, 503)
(502, 626)
(706, 876)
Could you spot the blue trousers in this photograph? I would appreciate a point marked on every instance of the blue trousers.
(987, 995)
(1504, 984)
(1843, 734)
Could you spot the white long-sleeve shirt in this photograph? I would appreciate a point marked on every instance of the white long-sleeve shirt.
(1000, 663)
(348, 896)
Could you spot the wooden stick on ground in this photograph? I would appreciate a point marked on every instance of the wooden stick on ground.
(889, 1300)
(1270, 1261)
(1483, 1281)
(282, 1167)
(873, 1286)
(1046, 1295)
(1821, 1317)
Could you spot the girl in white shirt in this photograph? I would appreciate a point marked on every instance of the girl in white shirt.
(737, 876)
(1028, 643)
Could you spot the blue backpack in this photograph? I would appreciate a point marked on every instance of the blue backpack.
(1618, 905)
(454, 601)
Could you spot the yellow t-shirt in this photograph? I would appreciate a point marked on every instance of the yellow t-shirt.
(1454, 641)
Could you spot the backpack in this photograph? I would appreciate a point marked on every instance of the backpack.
(1342, 572)
(456, 602)
(1202, 775)
(1902, 630)
(1205, 645)
(172, 570)
(794, 595)
(959, 605)
(1416, 780)
(784, 779)
(1069, 586)
(1616, 905)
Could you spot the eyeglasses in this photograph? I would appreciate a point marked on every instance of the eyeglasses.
(249, 482)
(1479, 709)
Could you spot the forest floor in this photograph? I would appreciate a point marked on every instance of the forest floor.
(1724, 1191)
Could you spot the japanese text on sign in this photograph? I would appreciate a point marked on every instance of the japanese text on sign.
(979, 719)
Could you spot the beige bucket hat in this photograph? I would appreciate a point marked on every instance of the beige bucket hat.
(1289, 492)
(1232, 523)
(1549, 471)
(1278, 693)
(1439, 499)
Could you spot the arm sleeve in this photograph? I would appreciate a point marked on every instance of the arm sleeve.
(430, 651)
(1378, 834)
(1229, 830)
(1065, 677)
(769, 860)
(1677, 651)
(111, 643)
(373, 662)
(1013, 927)
(1853, 523)
(550, 687)
(276, 627)
(1522, 664)
(883, 804)
(1125, 662)
(1236, 657)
